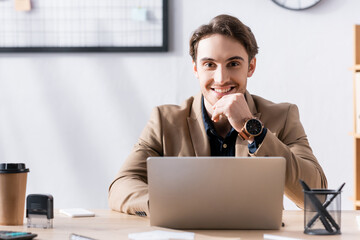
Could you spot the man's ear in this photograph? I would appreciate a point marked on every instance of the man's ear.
(195, 69)
(252, 66)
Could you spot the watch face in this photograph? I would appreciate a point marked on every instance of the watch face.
(254, 127)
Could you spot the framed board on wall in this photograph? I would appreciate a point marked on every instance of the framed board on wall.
(84, 26)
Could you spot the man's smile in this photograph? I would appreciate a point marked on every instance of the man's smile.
(222, 89)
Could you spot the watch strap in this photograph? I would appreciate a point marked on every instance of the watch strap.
(244, 134)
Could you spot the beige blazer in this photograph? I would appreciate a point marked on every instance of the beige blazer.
(179, 131)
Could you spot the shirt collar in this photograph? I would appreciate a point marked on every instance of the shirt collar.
(209, 126)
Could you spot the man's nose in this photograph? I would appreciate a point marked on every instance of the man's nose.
(221, 75)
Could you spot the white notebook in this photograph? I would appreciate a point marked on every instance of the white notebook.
(77, 212)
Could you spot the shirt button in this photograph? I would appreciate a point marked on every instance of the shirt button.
(224, 145)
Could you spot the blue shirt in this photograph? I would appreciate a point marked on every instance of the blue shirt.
(225, 146)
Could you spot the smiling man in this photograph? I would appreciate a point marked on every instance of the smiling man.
(223, 120)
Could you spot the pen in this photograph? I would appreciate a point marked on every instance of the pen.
(274, 237)
(74, 236)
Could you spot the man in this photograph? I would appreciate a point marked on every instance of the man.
(224, 120)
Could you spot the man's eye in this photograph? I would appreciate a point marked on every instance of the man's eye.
(234, 64)
(209, 65)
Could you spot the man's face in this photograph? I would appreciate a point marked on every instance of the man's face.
(222, 67)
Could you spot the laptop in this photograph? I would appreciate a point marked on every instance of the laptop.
(216, 192)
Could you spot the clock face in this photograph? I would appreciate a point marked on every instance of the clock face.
(296, 4)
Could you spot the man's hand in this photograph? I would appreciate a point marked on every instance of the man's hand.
(235, 108)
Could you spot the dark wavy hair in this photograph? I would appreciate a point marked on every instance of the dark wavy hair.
(228, 26)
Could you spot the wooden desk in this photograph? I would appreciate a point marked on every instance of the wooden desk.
(108, 224)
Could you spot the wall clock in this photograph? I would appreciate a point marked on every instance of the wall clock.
(296, 4)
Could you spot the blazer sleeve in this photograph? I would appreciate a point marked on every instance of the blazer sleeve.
(291, 143)
(128, 193)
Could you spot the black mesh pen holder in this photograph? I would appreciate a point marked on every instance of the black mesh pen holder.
(322, 212)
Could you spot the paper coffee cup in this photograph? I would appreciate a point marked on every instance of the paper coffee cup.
(12, 193)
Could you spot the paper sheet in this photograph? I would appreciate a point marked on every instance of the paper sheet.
(161, 235)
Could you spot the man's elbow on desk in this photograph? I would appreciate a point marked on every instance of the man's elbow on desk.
(127, 200)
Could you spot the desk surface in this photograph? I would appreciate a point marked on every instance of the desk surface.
(108, 224)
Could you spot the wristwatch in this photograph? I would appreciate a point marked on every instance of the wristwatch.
(252, 128)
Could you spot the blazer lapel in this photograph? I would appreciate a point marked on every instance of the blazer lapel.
(241, 148)
(252, 106)
(197, 131)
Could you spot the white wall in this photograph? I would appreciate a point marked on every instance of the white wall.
(73, 118)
